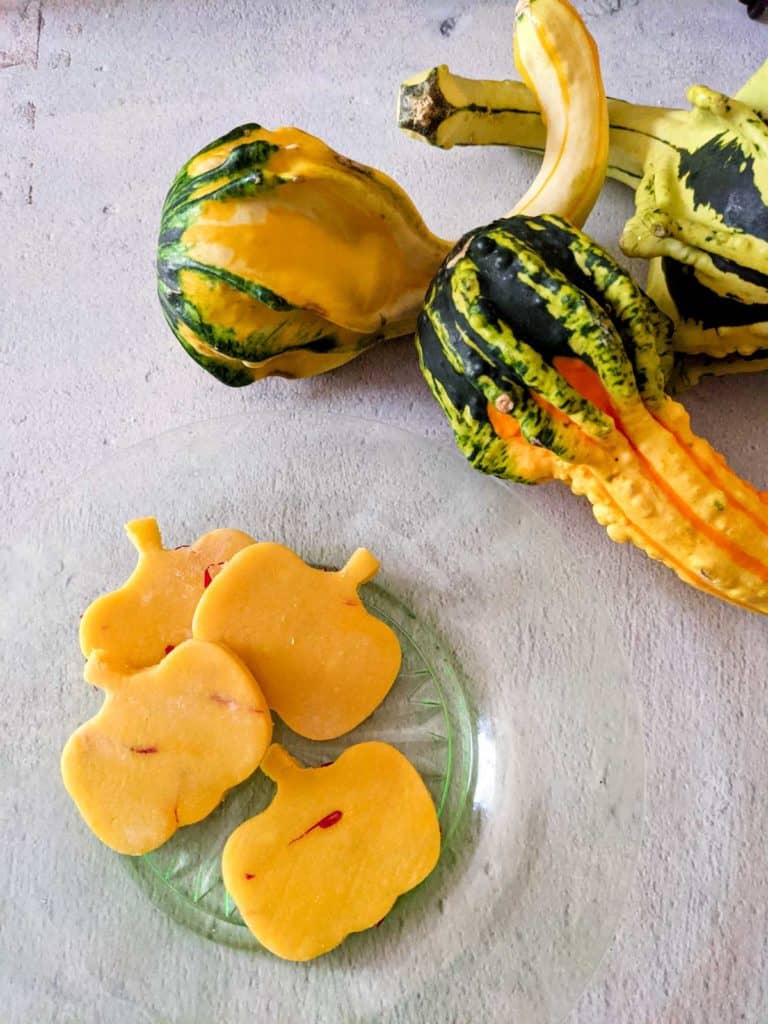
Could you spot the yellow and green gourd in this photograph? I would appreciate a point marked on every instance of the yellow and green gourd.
(701, 181)
(548, 361)
(277, 255)
(547, 358)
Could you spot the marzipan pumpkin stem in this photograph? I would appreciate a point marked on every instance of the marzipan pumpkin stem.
(278, 764)
(99, 671)
(144, 534)
(361, 567)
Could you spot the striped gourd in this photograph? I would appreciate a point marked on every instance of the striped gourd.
(549, 363)
(701, 181)
(277, 255)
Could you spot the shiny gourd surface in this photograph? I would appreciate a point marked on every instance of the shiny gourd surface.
(548, 362)
(701, 181)
(277, 255)
(547, 34)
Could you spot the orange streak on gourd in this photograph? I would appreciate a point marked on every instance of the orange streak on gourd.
(588, 474)
(565, 100)
(587, 382)
(558, 60)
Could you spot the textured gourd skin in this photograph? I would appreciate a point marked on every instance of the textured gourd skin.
(334, 849)
(701, 181)
(703, 211)
(549, 364)
(277, 255)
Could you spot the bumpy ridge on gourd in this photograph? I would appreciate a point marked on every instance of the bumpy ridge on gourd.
(546, 372)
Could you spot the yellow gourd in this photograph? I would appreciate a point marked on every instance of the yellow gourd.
(167, 744)
(323, 662)
(278, 255)
(557, 58)
(151, 613)
(334, 849)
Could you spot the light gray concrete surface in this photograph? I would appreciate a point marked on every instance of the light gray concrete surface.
(101, 102)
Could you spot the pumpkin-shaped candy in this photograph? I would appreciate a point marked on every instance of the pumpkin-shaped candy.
(138, 624)
(167, 744)
(334, 849)
(323, 661)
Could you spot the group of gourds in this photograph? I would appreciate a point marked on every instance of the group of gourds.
(193, 652)
(279, 256)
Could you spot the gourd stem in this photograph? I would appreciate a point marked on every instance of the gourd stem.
(448, 110)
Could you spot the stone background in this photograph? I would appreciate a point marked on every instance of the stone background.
(101, 102)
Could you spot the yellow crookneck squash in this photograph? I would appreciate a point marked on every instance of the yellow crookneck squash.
(167, 744)
(334, 849)
(547, 34)
(701, 190)
(550, 363)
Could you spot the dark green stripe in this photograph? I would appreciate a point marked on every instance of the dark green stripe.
(722, 177)
(699, 304)
(173, 259)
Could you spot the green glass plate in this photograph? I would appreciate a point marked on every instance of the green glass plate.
(514, 702)
(425, 715)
